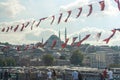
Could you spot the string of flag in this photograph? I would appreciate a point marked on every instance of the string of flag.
(21, 27)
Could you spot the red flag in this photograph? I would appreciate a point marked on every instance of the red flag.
(53, 44)
(15, 29)
(3, 29)
(33, 47)
(80, 10)
(90, 10)
(18, 48)
(27, 24)
(26, 47)
(32, 24)
(118, 4)
(53, 18)
(108, 39)
(41, 20)
(5, 48)
(44, 44)
(7, 29)
(65, 44)
(74, 38)
(69, 13)
(39, 44)
(22, 27)
(38, 23)
(118, 29)
(66, 41)
(98, 36)
(114, 30)
(11, 27)
(102, 5)
(86, 37)
(60, 18)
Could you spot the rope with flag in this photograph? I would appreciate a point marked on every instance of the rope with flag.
(35, 23)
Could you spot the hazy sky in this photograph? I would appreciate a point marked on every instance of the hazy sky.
(13, 12)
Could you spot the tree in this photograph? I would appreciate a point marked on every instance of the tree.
(62, 57)
(10, 61)
(2, 62)
(7, 62)
(76, 58)
(114, 65)
(116, 48)
(48, 60)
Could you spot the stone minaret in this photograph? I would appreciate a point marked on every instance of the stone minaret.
(60, 39)
(42, 40)
(79, 37)
(65, 33)
(59, 35)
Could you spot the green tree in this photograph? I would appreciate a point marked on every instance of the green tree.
(62, 57)
(114, 65)
(76, 58)
(2, 63)
(6, 43)
(10, 62)
(48, 60)
(116, 48)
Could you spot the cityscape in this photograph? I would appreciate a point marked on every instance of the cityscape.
(31, 54)
(59, 40)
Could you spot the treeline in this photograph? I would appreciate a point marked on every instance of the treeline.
(116, 48)
(7, 62)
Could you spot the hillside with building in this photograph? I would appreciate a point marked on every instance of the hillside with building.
(31, 54)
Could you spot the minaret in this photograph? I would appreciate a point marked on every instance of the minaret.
(65, 33)
(60, 39)
(59, 35)
(79, 37)
(42, 40)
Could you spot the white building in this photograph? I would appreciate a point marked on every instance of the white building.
(101, 58)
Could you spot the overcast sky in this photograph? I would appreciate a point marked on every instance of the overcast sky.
(13, 12)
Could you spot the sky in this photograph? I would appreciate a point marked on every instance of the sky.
(14, 12)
